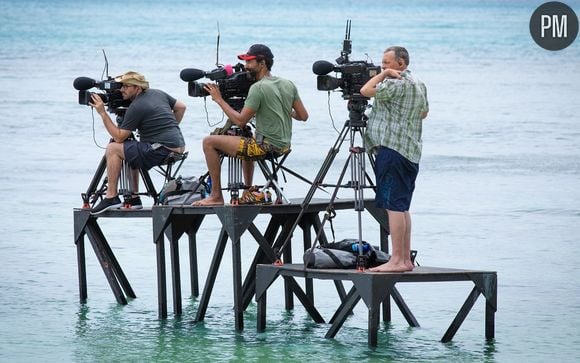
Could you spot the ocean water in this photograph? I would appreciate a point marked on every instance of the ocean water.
(498, 187)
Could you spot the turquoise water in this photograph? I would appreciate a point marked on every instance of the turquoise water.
(497, 188)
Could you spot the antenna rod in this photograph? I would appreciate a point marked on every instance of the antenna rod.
(217, 50)
(348, 24)
(346, 44)
(106, 63)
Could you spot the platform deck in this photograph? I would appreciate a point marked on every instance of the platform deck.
(375, 288)
(171, 222)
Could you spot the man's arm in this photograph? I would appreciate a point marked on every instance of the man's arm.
(370, 88)
(179, 110)
(424, 113)
(299, 111)
(239, 119)
(118, 134)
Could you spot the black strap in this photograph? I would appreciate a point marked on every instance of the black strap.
(334, 258)
(331, 214)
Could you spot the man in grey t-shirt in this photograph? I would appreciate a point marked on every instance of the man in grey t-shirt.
(156, 115)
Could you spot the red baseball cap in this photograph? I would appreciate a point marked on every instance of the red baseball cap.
(257, 50)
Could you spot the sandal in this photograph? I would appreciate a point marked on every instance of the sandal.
(254, 196)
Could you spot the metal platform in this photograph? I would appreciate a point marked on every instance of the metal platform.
(86, 224)
(375, 288)
(171, 222)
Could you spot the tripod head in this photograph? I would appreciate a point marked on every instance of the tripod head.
(356, 111)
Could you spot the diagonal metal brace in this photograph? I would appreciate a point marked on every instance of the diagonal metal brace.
(487, 285)
(161, 217)
(267, 277)
(236, 219)
(82, 217)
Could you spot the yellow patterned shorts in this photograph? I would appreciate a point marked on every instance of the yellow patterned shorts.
(249, 149)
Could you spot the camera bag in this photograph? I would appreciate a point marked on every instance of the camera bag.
(182, 191)
(342, 255)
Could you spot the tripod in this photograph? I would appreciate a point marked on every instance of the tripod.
(126, 187)
(355, 125)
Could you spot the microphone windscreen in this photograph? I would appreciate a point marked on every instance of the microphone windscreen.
(191, 74)
(322, 67)
(84, 83)
(229, 70)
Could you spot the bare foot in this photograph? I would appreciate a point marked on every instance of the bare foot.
(391, 267)
(209, 201)
(409, 265)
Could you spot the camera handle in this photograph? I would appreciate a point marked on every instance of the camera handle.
(355, 125)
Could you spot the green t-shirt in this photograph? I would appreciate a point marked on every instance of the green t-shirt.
(272, 99)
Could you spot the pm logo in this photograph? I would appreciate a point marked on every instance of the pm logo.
(554, 26)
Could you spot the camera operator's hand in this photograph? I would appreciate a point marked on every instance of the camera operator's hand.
(239, 119)
(391, 73)
(98, 104)
(369, 88)
(214, 92)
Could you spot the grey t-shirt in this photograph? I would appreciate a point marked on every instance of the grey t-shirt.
(151, 113)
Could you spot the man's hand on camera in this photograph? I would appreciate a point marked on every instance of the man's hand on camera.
(392, 73)
(214, 92)
(97, 103)
(369, 89)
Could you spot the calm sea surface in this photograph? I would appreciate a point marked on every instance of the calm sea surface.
(498, 187)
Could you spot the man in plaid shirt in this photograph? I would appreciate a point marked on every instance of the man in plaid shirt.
(394, 135)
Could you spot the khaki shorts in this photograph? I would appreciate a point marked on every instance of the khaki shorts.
(249, 149)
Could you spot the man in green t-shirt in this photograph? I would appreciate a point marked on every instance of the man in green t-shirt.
(273, 101)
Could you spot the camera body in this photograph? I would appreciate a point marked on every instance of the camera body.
(233, 81)
(354, 75)
(112, 96)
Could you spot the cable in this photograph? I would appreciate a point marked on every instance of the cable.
(94, 133)
(332, 118)
(330, 114)
(207, 114)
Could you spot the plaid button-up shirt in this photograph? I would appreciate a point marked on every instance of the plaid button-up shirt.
(395, 120)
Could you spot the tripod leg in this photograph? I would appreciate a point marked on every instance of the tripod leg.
(315, 184)
(126, 184)
(151, 191)
(331, 203)
(325, 167)
(92, 189)
(367, 176)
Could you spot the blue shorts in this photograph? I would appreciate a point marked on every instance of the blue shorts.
(395, 180)
(141, 155)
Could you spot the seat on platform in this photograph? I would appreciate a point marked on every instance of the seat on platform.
(270, 172)
(166, 167)
(269, 164)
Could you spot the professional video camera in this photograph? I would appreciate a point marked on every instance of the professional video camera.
(112, 96)
(233, 81)
(354, 74)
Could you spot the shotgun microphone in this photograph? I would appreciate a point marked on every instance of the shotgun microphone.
(322, 67)
(84, 83)
(192, 74)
